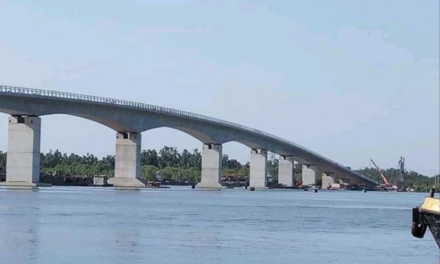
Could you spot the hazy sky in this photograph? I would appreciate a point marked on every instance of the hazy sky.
(352, 80)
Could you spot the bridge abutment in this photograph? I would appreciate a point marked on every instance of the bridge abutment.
(211, 166)
(309, 174)
(23, 160)
(258, 169)
(128, 160)
(285, 171)
(327, 180)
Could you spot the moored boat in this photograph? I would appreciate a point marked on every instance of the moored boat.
(425, 216)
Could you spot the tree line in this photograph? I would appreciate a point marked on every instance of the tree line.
(171, 164)
(168, 162)
(408, 179)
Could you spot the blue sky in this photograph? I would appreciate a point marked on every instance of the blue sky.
(352, 80)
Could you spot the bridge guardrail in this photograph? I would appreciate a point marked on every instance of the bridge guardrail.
(153, 108)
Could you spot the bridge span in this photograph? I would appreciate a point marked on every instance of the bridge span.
(26, 107)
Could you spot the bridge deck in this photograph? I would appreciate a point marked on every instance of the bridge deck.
(18, 92)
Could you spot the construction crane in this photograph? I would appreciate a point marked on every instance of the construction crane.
(386, 184)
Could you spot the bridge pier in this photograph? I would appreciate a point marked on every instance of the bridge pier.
(258, 170)
(211, 166)
(285, 171)
(327, 179)
(128, 160)
(23, 160)
(309, 173)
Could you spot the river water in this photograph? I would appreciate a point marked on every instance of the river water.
(180, 225)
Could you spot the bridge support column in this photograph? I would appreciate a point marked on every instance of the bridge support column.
(211, 166)
(128, 160)
(258, 170)
(23, 160)
(327, 180)
(309, 174)
(285, 171)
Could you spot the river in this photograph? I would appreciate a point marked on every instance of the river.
(179, 225)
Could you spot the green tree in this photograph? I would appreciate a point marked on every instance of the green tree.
(149, 172)
(169, 157)
(185, 159)
(196, 160)
(167, 173)
(186, 166)
(150, 157)
(272, 168)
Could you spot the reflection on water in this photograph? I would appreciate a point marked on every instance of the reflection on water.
(103, 225)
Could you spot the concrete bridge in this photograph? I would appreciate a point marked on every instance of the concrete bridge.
(128, 119)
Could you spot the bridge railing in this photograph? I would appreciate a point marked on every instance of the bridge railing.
(148, 107)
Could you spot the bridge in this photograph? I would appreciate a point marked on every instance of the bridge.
(128, 119)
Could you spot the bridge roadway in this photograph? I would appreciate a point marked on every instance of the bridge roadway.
(26, 106)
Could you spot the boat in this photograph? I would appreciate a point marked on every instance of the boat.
(156, 184)
(425, 216)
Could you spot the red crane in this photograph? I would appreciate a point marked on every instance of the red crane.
(387, 184)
